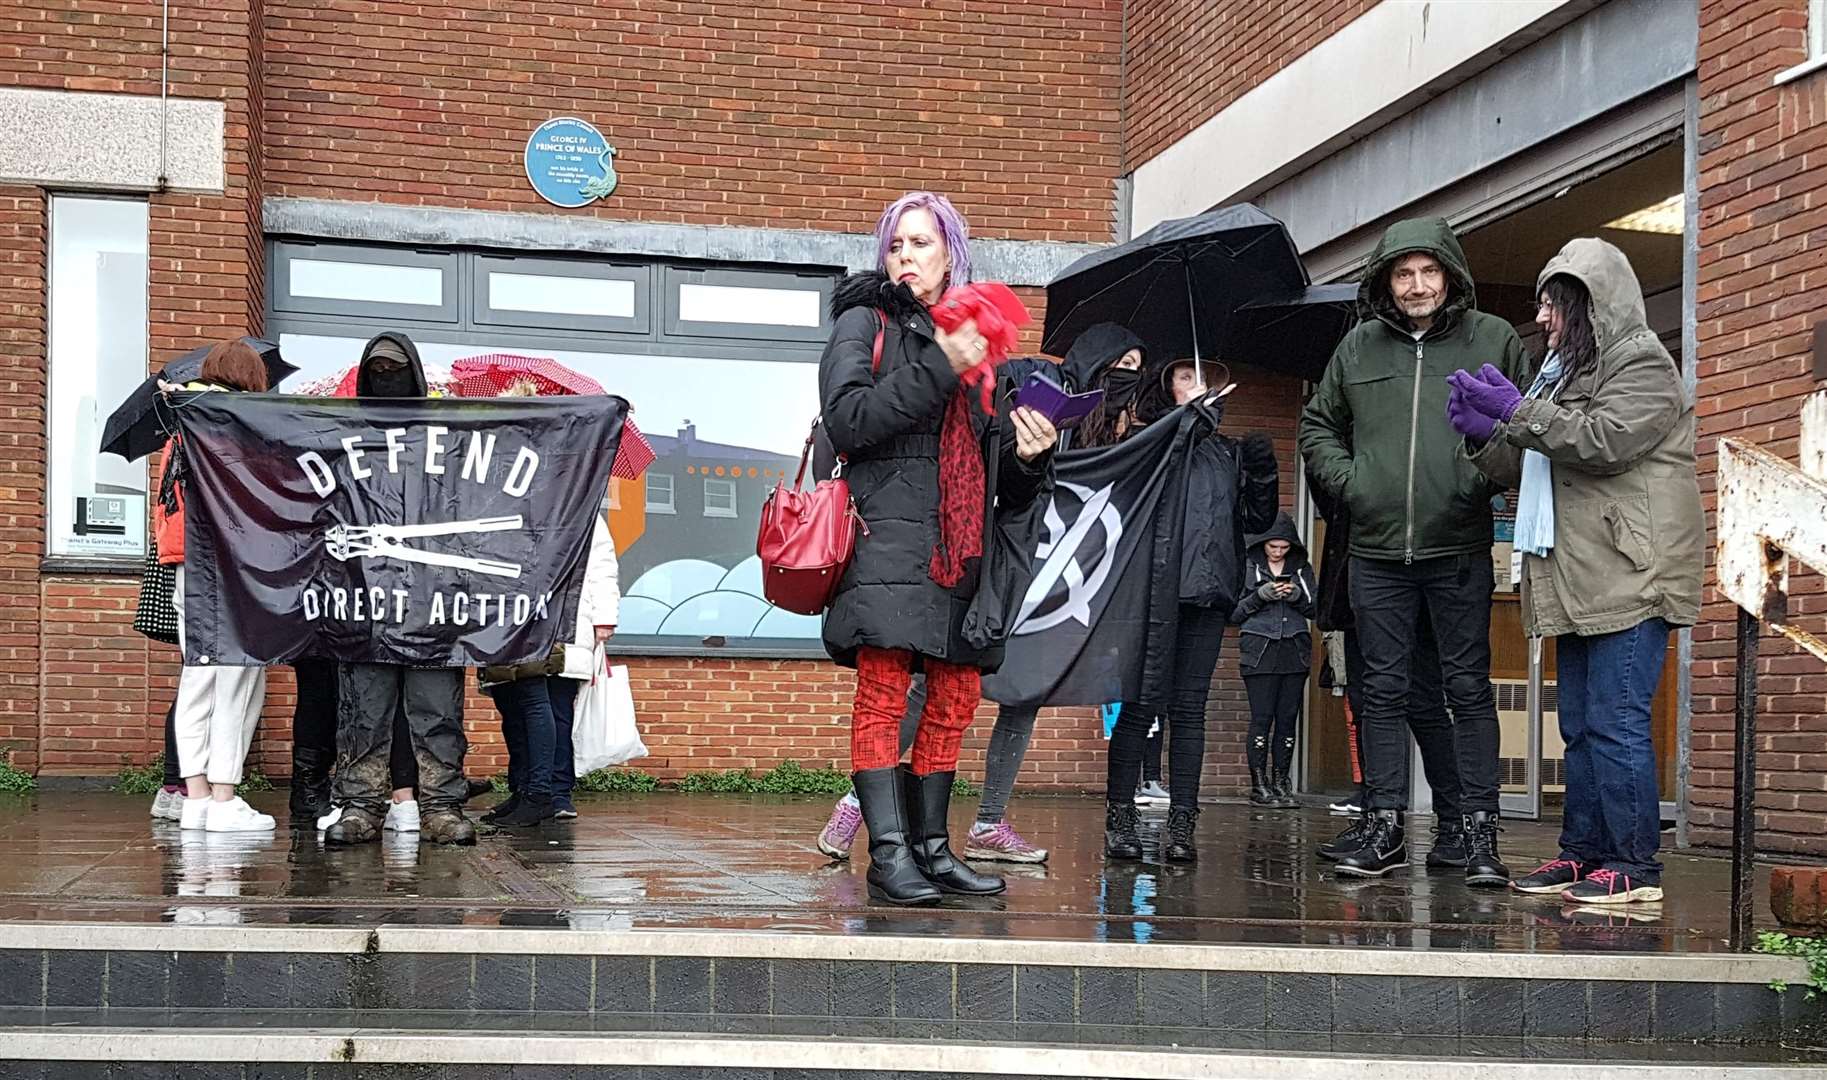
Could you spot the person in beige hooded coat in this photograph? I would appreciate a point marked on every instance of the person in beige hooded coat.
(1610, 520)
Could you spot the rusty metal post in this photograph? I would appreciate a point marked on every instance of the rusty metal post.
(1744, 786)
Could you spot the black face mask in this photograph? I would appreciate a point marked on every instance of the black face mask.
(1120, 385)
(397, 383)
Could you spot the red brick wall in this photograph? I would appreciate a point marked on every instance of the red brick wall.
(1189, 59)
(1763, 286)
(785, 114)
(22, 438)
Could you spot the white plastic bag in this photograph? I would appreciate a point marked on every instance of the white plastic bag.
(603, 731)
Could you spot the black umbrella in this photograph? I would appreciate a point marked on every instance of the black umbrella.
(1177, 285)
(1295, 333)
(142, 423)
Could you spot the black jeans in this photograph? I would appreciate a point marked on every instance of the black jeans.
(1275, 702)
(1195, 658)
(1427, 718)
(1387, 598)
(172, 779)
(536, 717)
(371, 700)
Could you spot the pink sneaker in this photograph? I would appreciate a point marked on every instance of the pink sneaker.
(840, 831)
(1001, 843)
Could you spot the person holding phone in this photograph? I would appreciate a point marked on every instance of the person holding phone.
(1275, 653)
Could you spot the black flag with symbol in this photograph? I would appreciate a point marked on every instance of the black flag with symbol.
(1099, 619)
(424, 532)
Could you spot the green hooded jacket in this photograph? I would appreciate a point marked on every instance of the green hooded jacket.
(1375, 433)
(1629, 530)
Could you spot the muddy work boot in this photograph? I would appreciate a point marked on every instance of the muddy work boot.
(1122, 831)
(447, 827)
(354, 826)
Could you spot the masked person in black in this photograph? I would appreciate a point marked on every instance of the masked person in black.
(1104, 357)
(370, 695)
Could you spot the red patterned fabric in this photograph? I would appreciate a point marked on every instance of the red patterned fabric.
(952, 693)
(882, 679)
(489, 374)
(961, 495)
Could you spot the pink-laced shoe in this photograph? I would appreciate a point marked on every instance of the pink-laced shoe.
(1001, 843)
(1553, 876)
(840, 831)
(1611, 887)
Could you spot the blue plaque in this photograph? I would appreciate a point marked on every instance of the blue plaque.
(569, 162)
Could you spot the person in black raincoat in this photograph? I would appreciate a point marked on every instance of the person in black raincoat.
(1275, 653)
(370, 695)
(1233, 489)
(930, 472)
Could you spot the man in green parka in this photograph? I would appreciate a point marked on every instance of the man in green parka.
(1375, 436)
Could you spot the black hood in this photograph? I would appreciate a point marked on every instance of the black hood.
(1095, 350)
(410, 383)
(872, 289)
(1283, 529)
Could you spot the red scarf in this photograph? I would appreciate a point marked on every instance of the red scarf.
(961, 495)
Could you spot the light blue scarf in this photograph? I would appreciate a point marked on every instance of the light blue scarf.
(1535, 497)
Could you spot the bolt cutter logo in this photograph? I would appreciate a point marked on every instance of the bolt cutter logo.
(1064, 559)
(345, 542)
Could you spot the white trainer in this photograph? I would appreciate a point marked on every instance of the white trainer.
(168, 805)
(402, 817)
(194, 814)
(236, 815)
(335, 815)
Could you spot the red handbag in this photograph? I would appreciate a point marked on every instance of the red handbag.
(808, 537)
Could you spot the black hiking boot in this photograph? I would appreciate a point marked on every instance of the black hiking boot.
(1349, 841)
(1261, 793)
(1385, 848)
(1449, 848)
(1482, 866)
(1182, 824)
(1122, 839)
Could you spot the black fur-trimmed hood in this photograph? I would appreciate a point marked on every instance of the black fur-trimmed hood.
(872, 289)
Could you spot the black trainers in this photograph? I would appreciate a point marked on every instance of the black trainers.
(1347, 842)
(1122, 839)
(1449, 843)
(1482, 866)
(1551, 878)
(527, 813)
(501, 809)
(1182, 823)
(1385, 848)
(1611, 887)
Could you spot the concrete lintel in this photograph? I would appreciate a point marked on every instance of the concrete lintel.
(1017, 262)
(109, 142)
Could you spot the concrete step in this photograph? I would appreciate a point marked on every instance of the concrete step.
(647, 984)
(361, 1053)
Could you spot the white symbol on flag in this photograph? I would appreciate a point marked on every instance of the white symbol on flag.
(345, 542)
(1061, 554)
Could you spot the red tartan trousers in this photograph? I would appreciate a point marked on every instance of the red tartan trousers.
(882, 679)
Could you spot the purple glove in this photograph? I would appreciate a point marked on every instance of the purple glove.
(1467, 421)
(1488, 392)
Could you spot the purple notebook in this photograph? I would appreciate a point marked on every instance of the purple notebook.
(1051, 400)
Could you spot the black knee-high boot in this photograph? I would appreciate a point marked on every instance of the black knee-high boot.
(893, 877)
(929, 798)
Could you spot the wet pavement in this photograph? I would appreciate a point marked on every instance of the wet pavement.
(670, 860)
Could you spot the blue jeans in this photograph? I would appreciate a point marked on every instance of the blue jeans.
(536, 723)
(1613, 815)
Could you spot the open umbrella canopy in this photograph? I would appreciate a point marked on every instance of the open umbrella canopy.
(492, 373)
(1296, 333)
(1178, 285)
(342, 383)
(142, 423)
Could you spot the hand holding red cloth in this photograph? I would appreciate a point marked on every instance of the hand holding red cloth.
(1000, 316)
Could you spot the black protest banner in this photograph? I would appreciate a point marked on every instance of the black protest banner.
(1099, 620)
(430, 533)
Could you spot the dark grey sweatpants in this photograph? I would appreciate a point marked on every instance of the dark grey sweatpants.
(368, 699)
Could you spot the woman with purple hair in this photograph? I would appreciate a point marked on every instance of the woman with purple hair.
(917, 450)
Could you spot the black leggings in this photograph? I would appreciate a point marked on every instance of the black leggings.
(1274, 713)
(1195, 658)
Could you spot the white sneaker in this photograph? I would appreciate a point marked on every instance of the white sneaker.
(1152, 794)
(236, 815)
(168, 805)
(335, 815)
(402, 817)
(194, 814)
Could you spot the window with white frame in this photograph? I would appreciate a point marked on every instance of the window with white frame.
(719, 364)
(719, 498)
(97, 356)
(660, 494)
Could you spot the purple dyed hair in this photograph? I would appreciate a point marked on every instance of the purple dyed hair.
(951, 223)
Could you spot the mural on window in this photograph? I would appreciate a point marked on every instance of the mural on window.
(724, 432)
